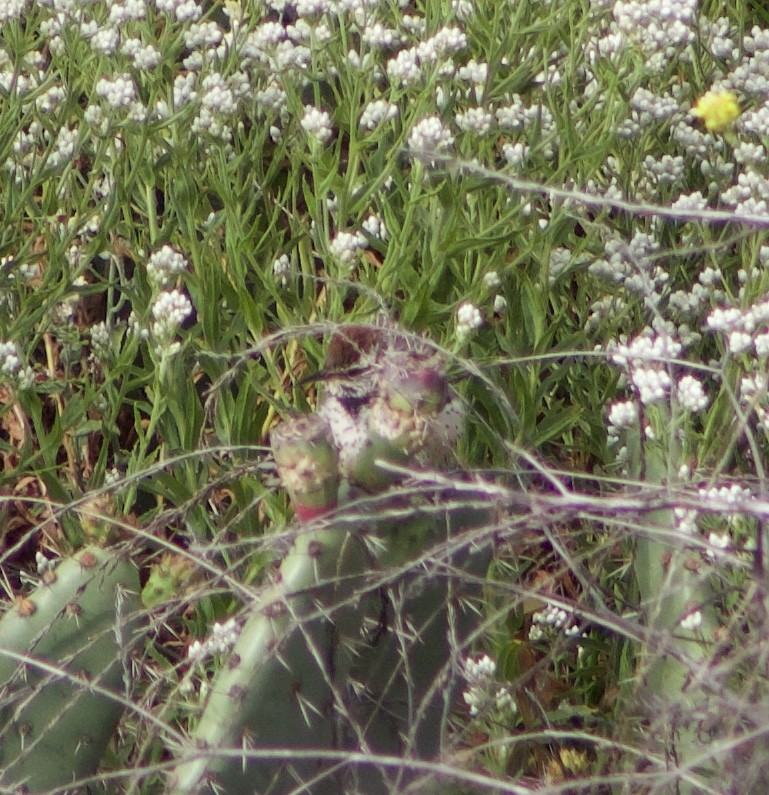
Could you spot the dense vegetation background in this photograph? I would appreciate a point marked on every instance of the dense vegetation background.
(567, 200)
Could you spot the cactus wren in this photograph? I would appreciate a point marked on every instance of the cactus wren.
(382, 385)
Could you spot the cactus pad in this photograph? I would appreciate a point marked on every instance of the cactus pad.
(63, 664)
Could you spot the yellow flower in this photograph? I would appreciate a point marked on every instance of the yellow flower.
(717, 109)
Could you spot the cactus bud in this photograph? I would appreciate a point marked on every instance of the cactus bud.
(169, 578)
(411, 387)
(405, 420)
(307, 464)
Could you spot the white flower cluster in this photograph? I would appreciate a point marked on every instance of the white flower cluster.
(281, 270)
(707, 288)
(690, 202)
(513, 116)
(164, 265)
(222, 638)
(751, 153)
(406, 67)
(645, 358)
(473, 72)
(169, 310)
(752, 120)
(723, 500)
(732, 496)
(124, 11)
(650, 107)
(49, 100)
(515, 154)
(686, 520)
(12, 9)
(691, 394)
(376, 113)
(622, 414)
(517, 116)
(317, 123)
(651, 383)
(118, 92)
(719, 543)
(697, 144)
(217, 96)
(750, 74)
(483, 693)
(200, 35)
(183, 10)
(551, 619)
(100, 340)
(744, 328)
(11, 369)
(754, 390)
(272, 98)
(750, 196)
(184, 89)
(64, 147)
(474, 120)
(218, 103)
(632, 265)
(263, 39)
(429, 136)
(691, 621)
(646, 347)
(347, 245)
(659, 27)
(607, 307)
(375, 227)
(145, 57)
(463, 9)
(667, 170)
(468, 319)
(378, 35)
(25, 271)
(491, 281)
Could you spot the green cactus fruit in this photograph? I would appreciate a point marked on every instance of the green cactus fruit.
(414, 409)
(94, 522)
(307, 464)
(168, 580)
(63, 654)
(277, 688)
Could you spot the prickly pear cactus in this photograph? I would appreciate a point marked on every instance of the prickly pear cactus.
(308, 464)
(64, 670)
(405, 681)
(350, 647)
(277, 690)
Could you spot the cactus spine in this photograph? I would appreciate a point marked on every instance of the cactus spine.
(61, 648)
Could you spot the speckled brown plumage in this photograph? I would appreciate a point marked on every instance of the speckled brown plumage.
(382, 384)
